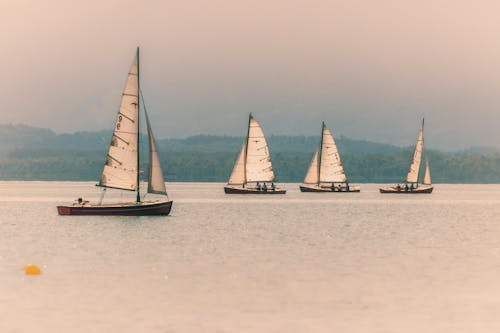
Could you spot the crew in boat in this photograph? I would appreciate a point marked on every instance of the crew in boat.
(258, 186)
(264, 187)
(272, 187)
(81, 201)
(347, 186)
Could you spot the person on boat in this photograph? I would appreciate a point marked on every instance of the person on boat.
(264, 187)
(258, 186)
(406, 187)
(347, 186)
(340, 187)
(411, 187)
(81, 201)
(398, 188)
(273, 187)
(333, 187)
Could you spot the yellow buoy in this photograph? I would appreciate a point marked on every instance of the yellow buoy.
(32, 269)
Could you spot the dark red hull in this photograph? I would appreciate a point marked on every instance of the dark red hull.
(402, 191)
(233, 190)
(161, 208)
(327, 189)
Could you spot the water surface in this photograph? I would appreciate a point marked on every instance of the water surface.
(302, 262)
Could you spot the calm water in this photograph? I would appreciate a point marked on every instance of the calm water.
(295, 263)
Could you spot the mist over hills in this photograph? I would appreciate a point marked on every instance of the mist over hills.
(22, 137)
(29, 153)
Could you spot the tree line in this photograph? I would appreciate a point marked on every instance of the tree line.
(215, 166)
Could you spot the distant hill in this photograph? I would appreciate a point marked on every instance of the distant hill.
(29, 153)
(14, 137)
(22, 137)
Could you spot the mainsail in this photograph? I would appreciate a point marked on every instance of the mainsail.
(427, 175)
(412, 176)
(258, 167)
(156, 183)
(238, 175)
(121, 167)
(330, 169)
(312, 175)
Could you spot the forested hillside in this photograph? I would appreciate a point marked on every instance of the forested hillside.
(37, 154)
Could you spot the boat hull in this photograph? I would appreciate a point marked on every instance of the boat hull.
(418, 190)
(241, 190)
(132, 209)
(318, 189)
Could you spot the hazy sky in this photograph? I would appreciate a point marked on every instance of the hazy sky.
(370, 69)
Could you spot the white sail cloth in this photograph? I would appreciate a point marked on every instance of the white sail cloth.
(120, 170)
(412, 176)
(258, 167)
(312, 175)
(156, 183)
(238, 175)
(427, 175)
(330, 169)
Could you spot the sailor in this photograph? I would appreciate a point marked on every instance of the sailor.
(272, 187)
(80, 200)
(411, 187)
(347, 186)
(258, 186)
(398, 187)
(406, 187)
(333, 187)
(264, 187)
(340, 188)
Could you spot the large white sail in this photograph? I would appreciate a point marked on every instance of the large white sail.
(238, 175)
(412, 176)
(427, 175)
(258, 159)
(312, 175)
(156, 182)
(121, 169)
(331, 169)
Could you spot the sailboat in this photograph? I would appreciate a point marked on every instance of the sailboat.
(121, 169)
(253, 172)
(411, 185)
(326, 173)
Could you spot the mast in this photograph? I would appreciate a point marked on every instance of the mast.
(423, 119)
(246, 149)
(320, 154)
(138, 197)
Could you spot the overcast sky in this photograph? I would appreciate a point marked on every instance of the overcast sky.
(370, 69)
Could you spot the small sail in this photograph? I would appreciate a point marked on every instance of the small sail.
(238, 175)
(412, 176)
(427, 175)
(258, 159)
(120, 170)
(312, 175)
(156, 182)
(331, 169)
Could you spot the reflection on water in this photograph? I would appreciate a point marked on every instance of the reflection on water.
(302, 262)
